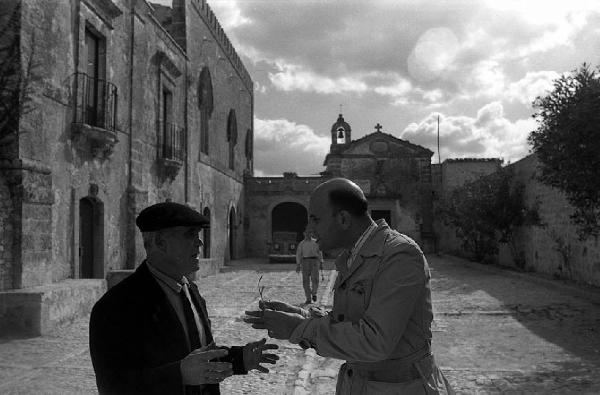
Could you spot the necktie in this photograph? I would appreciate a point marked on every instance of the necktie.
(192, 328)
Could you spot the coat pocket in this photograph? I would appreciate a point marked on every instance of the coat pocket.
(359, 295)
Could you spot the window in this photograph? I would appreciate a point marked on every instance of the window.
(232, 137)
(165, 124)
(94, 85)
(171, 137)
(341, 135)
(167, 106)
(205, 104)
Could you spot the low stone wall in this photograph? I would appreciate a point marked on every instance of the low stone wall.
(35, 311)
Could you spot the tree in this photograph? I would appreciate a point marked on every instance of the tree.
(489, 211)
(567, 144)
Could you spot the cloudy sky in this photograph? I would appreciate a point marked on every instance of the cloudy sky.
(401, 63)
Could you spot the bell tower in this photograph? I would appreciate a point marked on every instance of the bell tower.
(341, 132)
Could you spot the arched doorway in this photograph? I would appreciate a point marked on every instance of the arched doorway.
(91, 238)
(232, 233)
(287, 218)
(206, 235)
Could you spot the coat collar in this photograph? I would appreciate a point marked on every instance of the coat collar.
(164, 317)
(373, 247)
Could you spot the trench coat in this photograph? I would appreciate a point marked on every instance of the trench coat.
(381, 320)
(137, 341)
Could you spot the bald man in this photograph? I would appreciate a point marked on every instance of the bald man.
(381, 318)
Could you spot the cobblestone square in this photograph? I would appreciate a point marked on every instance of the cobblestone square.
(495, 331)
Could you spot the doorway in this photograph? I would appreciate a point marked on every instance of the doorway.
(385, 214)
(91, 238)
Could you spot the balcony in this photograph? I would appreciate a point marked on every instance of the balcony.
(171, 148)
(95, 113)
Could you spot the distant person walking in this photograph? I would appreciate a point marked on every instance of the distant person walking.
(309, 259)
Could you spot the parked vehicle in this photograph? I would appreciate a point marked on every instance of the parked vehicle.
(282, 247)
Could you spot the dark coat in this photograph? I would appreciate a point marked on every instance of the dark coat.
(137, 341)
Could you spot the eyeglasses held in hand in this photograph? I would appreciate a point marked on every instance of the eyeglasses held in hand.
(261, 289)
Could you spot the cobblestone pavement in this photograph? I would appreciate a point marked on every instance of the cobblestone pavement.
(494, 332)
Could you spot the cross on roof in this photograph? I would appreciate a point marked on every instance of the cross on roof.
(378, 127)
(341, 105)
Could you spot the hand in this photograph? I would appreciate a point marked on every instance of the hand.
(297, 268)
(196, 368)
(253, 355)
(279, 325)
(282, 306)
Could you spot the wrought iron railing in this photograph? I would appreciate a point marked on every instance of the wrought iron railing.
(96, 102)
(171, 141)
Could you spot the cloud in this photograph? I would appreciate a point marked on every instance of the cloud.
(281, 145)
(534, 84)
(399, 89)
(489, 134)
(229, 14)
(433, 54)
(293, 77)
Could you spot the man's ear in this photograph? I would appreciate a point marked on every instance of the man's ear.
(344, 219)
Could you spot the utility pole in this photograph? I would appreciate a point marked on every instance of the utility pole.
(438, 140)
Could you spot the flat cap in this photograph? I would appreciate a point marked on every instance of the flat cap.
(167, 215)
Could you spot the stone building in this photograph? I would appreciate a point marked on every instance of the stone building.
(133, 104)
(394, 174)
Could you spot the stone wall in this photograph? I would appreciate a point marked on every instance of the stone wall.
(555, 248)
(451, 174)
(213, 184)
(457, 172)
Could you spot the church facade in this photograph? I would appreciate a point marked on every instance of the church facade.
(395, 175)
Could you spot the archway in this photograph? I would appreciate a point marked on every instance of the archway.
(289, 217)
(91, 238)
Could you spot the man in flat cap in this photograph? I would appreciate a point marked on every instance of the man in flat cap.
(382, 314)
(150, 334)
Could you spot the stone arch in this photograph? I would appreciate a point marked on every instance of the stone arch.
(91, 238)
(288, 216)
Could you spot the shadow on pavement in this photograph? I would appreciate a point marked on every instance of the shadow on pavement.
(532, 326)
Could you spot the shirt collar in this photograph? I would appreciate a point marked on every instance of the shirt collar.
(377, 242)
(167, 280)
(359, 243)
(361, 240)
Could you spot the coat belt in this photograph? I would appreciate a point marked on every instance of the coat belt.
(396, 370)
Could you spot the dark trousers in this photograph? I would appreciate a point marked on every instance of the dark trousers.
(310, 276)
